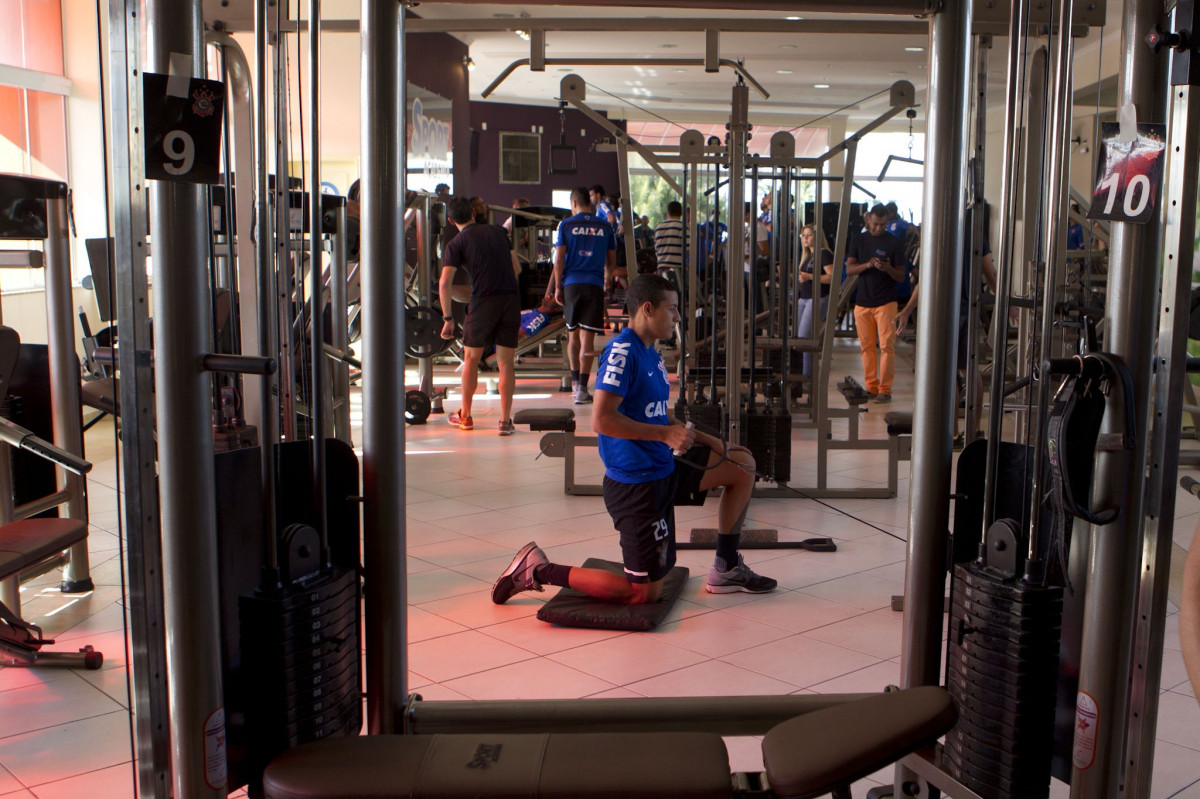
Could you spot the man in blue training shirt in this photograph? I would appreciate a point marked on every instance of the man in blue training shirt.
(585, 255)
(642, 481)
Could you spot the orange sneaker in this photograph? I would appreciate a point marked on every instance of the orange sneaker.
(460, 421)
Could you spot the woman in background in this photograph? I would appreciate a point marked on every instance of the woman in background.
(806, 311)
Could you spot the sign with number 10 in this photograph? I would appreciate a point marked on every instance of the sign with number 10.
(1128, 174)
(183, 130)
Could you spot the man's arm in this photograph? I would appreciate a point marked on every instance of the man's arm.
(903, 317)
(516, 264)
(610, 266)
(607, 420)
(560, 261)
(445, 285)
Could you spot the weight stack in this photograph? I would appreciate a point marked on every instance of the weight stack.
(1002, 664)
(301, 662)
(768, 436)
(706, 416)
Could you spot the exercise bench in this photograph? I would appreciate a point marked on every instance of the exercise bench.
(24, 545)
(820, 752)
(560, 441)
(31, 544)
(899, 430)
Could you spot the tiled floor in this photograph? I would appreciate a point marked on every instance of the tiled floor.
(473, 499)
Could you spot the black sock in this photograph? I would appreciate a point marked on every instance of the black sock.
(583, 379)
(552, 574)
(727, 549)
(574, 375)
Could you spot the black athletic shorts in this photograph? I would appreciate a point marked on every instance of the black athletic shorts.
(583, 306)
(644, 514)
(493, 319)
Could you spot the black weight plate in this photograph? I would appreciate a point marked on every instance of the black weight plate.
(423, 332)
(963, 608)
(984, 687)
(973, 580)
(417, 407)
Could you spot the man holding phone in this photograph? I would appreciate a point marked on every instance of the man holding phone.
(877, 257)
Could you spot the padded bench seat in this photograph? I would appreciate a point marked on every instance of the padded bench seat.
(539, 766)
(808, 755)
(24, 543)
(899, 423)
(546, 419)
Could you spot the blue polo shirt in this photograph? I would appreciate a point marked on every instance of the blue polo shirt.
(587, 240)
(635, 372)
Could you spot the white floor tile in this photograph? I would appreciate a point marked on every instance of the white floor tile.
(461, 654)
(37, 758)
(627, 659)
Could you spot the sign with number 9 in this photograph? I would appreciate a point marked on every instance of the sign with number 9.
(183, 131)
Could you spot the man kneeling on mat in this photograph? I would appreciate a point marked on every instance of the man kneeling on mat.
(643, 482)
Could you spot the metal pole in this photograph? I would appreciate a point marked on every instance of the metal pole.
(1017, 33)
(972, 404)
(285, 344)
(735, 288)
(317, 401)
(182, 335)
(948, 133)
(139, 477)
(339, 334)
(1181, 173)
(268, 315)
(1116, 556)
(1057, 173)
(64, 379)
(383, 185)
(724, 715)
(626, 205)
(941, 273)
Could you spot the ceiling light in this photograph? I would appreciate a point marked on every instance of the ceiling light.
(820, 85)
(784, 71)
(523, 34)
(793, 19)
(469, 63)
(787, 47)
(681, 69)
(914, 49)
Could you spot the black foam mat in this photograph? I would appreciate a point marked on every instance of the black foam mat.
(572, 608)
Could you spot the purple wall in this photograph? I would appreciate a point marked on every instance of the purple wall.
(506, 118)
(434, 61)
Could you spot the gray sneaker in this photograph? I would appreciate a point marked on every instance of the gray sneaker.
(739, 578)
(582, 397)
(518, 576)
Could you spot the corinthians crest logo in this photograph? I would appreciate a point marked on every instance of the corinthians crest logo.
(203, 105)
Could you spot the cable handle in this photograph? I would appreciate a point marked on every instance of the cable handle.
(678, 453)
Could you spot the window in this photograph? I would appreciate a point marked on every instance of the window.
(33, 117)
(521, 158)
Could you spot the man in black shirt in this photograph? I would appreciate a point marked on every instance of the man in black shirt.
(494, 312)
(877, 257)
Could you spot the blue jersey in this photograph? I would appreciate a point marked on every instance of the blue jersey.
(898, 227)
(587, 240)
(603, 209)
(636, 372)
